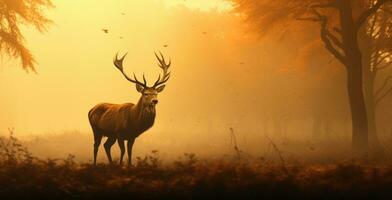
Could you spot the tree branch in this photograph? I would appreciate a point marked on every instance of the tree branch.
(337, 30)
(331, 42)
(388, 64)
(378, 100)
(383, 58)
(383, 86)
(362, 18)
(326, 37)
(372, 27)
(374, 57)
(334, 39)
(329, 39)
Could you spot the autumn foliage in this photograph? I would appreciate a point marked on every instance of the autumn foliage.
(15, 13)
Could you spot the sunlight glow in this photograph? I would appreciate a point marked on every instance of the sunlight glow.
(220, 5)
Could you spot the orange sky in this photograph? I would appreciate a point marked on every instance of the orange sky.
(75, 69)
(222, 75)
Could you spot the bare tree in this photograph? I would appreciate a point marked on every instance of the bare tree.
(13, 14)
(339, 23)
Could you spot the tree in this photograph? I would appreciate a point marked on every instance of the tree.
(376, 45)
(339, 23)
(13, 14)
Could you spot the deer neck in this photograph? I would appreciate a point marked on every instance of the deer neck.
(145, 115)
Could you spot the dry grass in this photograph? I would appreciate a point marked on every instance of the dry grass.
(23, 176)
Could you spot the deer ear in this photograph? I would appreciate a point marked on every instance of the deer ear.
(160, 88)
(139, 88)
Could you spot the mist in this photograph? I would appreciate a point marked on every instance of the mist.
(281, 99)
(223, 76)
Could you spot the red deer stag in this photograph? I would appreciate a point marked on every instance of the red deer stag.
(127, 121)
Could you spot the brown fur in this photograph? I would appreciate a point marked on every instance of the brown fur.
(120, 122)
(127, 121)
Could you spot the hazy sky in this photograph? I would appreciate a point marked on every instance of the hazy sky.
(75, 69)
(222, 74)
(204, 5)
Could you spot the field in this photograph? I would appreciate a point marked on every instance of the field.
(24, 176)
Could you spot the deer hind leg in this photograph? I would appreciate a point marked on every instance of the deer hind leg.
(122, 149)
(108, 144)
(97, 142)
(129, 146)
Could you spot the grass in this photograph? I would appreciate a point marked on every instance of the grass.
(23, 176)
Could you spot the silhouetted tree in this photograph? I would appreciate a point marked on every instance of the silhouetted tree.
(339, 22)
(376, 45)
(14, 13)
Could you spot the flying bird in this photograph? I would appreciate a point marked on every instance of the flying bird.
(165, 45)
(121, 37)
(122, 13)
(105, 30)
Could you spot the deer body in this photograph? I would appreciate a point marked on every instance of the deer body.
(125, 122)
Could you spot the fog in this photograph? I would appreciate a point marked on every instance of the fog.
(223, 76)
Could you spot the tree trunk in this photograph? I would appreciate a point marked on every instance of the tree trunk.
(369, 77)
(369, 83)
(358, 111)
(373, 137)
(353, 65)
(374, 143)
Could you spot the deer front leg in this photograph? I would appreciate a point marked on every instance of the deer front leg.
(122, 149)
(97, 142)
(130, 145)
(108, 144)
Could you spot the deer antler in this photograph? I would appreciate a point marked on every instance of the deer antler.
(119, 65)
(164, 66)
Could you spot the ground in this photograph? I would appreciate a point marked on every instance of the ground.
(23, 176)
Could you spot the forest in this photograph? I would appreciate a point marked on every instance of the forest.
(257, 99)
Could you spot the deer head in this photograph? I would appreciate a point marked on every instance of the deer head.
(149, 94)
